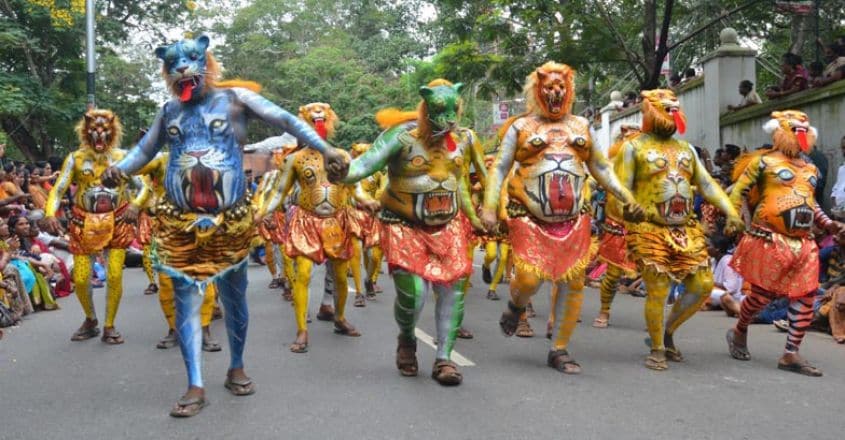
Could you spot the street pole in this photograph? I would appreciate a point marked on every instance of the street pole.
(91, 53)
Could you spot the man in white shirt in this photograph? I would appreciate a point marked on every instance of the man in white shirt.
(837, 193)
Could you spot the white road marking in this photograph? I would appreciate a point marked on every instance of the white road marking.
(458, 358)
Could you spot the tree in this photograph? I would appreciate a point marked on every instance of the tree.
(42, 71)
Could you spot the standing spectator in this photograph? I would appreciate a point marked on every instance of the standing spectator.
(794, 77)
(749, 96)
(837, 193)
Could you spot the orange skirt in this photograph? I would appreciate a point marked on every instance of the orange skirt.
(551, 251)
(277, 233)
(782, 265)
(437, 254)
(613, 249)
(90, 233)
(320, 238)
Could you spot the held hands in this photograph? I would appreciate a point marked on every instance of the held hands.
(633, 212)
(489, 220)
(112, 177)
(336, 164)
(734, 225)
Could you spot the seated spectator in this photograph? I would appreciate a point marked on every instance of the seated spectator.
(689, 75)
(34, 282)
(630, 100)
(794, 77)
(814, 72)
(835, 69)
(749, 96)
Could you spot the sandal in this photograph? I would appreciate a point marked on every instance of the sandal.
(656, 360)
(188, 406)
(242, 387)
(801, 367)
(345, 328)
(463, 333)
(300, 345)
(561, 361)
(152, 289)
(446, 373)
(492, 295)
(674, 355)
(111, 336)
(406, 358)
(360, 301)
(85, 332)
(169, 341)
(737, 352)
(601, 322)
(524, 330)
(510, 319)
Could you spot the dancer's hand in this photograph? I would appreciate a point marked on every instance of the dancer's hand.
(131, 214)
(633, 212)
(489, 219)
(52, 225)
(734, 225)
(336, 164)
(112, 177)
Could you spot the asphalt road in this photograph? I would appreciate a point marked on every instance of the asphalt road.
(348, 388)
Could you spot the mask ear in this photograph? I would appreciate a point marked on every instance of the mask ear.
(203, 42)
(426, 92)
(458, 87)
(161, 51)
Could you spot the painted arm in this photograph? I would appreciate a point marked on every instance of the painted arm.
(278, 117)
(477, 156)
(144, 188)
(375, 159)
(466, 200)
(274, 186)
(601, 170)
(142, 153)
(54, 200)
(500, 169)
(746, 181)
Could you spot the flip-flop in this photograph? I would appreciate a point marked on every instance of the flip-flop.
(188, 407)
(244, 387)
(737, 352)
(801, 368)
(561, 361)
(446, 373)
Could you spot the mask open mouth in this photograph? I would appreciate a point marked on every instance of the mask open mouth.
(203, 188)
(801, 135)
(677, 207)
(800, 217)
(559, 193)
(188, 86)
(438, 205)
(554, 102)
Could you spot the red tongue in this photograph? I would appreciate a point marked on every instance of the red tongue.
(802, 140)
(679, 122)
(320, 126)
(202, 193)
(187, 92)
(450, 143)
(561, 198)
